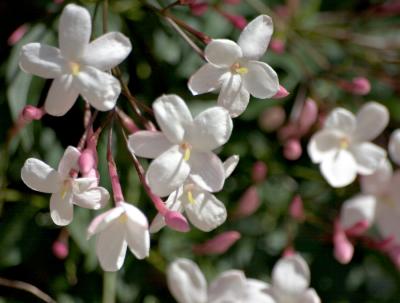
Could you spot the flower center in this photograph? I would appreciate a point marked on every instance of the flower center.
(186, 149)
(67, 184)
(188, 189)
(123, 218)
(75, 68)
(389, 201)
(344, 143)
(236, 68)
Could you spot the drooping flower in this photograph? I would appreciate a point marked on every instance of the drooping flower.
(234, 70)
(342, 147)
(184, 146)
(78, 67)
(65, 190)
(116, 229)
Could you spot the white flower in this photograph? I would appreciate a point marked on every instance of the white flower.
(394, 146)
(188, 285)
(122, 226)
(78, 66)
(378, 202)
(234, 69)
(65, 189)
(342, 148)
(183, 147)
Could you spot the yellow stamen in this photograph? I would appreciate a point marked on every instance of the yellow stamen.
(344, 143)
(187, 154)
(242, 70)
(64, 190)
(75, 68)
(190, 197)
(123, 218)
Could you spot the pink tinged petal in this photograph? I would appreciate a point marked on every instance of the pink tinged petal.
(309, 296)
(281, 93)
(340, 169)
(372, 119)
(107, 51)
(157, 224)
(343, 248)
(39, 176)
(41, 60)
(394, 146)
(342, 120)
(176, 221)
(205, 212)
(323, 144)
(103, 220)
(207, 171)
(256, 291)
(222, 52)
(74, 31)
(210, 129)
(186, 282)
(228, 287)
(379, 181)
(61, 96)
(233, 95)
(230, 165)
(261, 81)
(99, 88)
(93, 198)
(368, 157)
(173, 117)
(167, 172)
(255, 37)
(148, 144)
(291, 275)
(61, 208)
(111, 246)
(69, 161)
(358, 209)
(206, 79)
(387, 220)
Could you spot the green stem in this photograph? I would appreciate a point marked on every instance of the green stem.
(109, 287)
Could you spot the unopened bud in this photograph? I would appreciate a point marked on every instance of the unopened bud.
(259, 172)
(17, 35)
(358, 86)
(198, 8)
(343, 248)
(292, 149)
(248, 203)
(238, 21)
(288, 252)
(232, 2)
(60, 249)
(176, 221)
(308, 115)
(296, 208)
(217, 245)
(272, 118)
(281, 93)
(87, 161)
(30, 113)
(277, 46)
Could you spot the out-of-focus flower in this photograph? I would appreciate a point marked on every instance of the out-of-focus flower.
(296, 208)
(217, 245)
(357, 86)
(394, 146)
(17, 35)
(277, 46)
(292, 149)
(60, 249)
(343, 249)
(259, 172)
(272, 118)
(248, 204)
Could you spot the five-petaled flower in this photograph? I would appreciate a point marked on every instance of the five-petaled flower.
(233, 68)
(342, 147)
(78, 67)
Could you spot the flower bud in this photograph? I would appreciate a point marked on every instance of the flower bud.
(358, 86)
(282, 93)
(248, 203)
(296, 209)
(259, 172)
(343, 248)
(277, 46)
(272, 118)
(308, 115)
(288, 252)
(87, 161)
(60, 249)
(17, 35)
(238, 21)
(292, 149)
(176, 221)
(232, 2)
(30, 113)
(197, 7)
(217, 245)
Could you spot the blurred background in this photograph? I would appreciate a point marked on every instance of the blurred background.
(326, 53)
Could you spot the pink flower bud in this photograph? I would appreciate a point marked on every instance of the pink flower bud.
(248, 203)
(232, 2)
(277, 46)
(292, 149)
(358, 229)
(343, 248)
(17, 35)
(217, 245)
(282, 93)
(296, 209)
(289, 251)
(60, 249)
(308, 115)
(198, 8)
(358, 86)
(87, 161)
(30, 113)
(272, 118)
(288, 131)
(176, 221)
(238, 21)
(259, 172)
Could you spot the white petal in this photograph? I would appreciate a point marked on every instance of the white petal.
(341, 119)
(41, 60)
(323, 144)
(256, 291)
(261, 81)
(61, 208)
(107, 51)
(99, 88)
(173, 116)
(148, 144)
(372, 119)
(39, 176)
(387, 219)
(368, 157)
(186, 282)
(379, 181)
(291, 275)
(255, 37)
(222, 52)
(228, 287)
(157, 224)
(357, 209)
(167, 172)
(340, 169)
(206, 212)
(210, 129)
(93, 198)
(103, 220)
(74, 31)
(207, 171)
(206, 79)
(230, 165)
(309, 296)
(394, 146)
(61, 96)
(233, 95)
(69, 161)
(111, 246)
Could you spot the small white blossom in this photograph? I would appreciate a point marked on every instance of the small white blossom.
(394, 146)
(342, 147)
(78, 67)
(233, 68)
(65, 189)
(118, 228)
(183, 147)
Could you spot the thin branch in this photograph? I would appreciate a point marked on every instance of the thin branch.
(28, 288)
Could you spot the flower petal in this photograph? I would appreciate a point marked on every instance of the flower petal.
(41, 60)
(222, 52)
(61, 96)
(206, 79)
(255, 37)
(74, 31)
(341, 119)
(207, 171)
(103, 220)
(233, 95)
(378, 182)
(167, 172)
(69, 161)
(227, 287)
(323, 144)
(372, 119)
(394, 146)
(186, 282)
(93, 198)
(99, 88)
(230, 165)
(210, 129)
(256, 291)
(309, 296)
(368, 157)
(39, 176)
(387, 219)
(261, 81)
(107, 51)
(340, 169)
(360, 208)
(173, 116)
(61, 208)
(148, 144)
